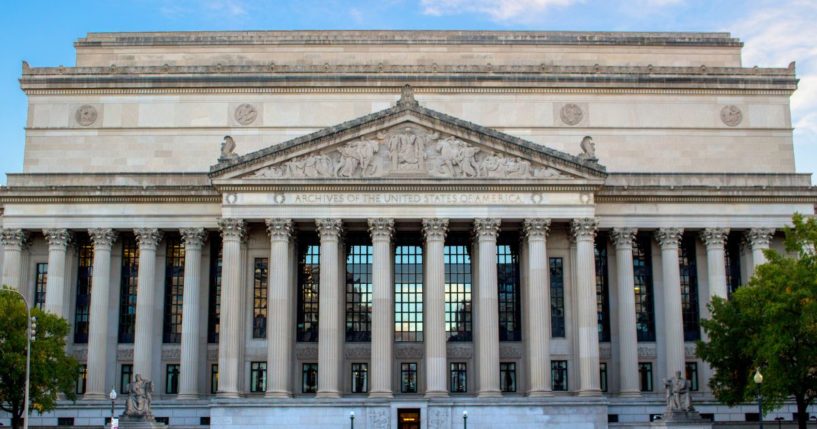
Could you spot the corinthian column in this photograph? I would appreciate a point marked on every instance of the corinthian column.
(330, 327)
(233, 232)
(584, 231)
(537, 307)
(382, 307)
(58, 240)
(669, 239)
(715, 239)
(627, 338)
(434, 302)
(13, 240)
(148, 239)
(98, 319)
(191, 310)
(759, 239)
(279, 323)
(486, 231)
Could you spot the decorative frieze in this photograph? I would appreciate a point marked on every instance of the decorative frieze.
(408, 351)
(536, 228)
(435, 228)
(279, 228)
(460, 351)
(623, 237)
(306, 351)
(357, 351)
(669, 237)
(511, 351)
(148, 238)
(381, 228)
(715, 237)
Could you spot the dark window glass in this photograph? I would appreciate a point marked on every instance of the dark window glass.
(689, 288)
(642, 276)
(457, 259)
(128, 281)
(358, 289)
(603, 376)
(507, 376)
(125, 378)
(602, 289)
(214, 292)
(408, 292)
(174, 290)
(82, 378)
(507, 269)
(172, 379)
(557, 298)
(258, 377)
(692, 375)
(645, 374)
(214, 378)
(309, 383)
(458, 377)
(732, 260)
(360, 378)
(558, 375)
(85, 272)
(40, 281)
(309, 265)
(259, 298)
(408, 377)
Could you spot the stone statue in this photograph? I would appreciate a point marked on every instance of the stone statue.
(677, 394)
(588, 150)
(227, 149)
(138, 413)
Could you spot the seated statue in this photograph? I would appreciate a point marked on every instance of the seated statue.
(141, 393)
(677, 394)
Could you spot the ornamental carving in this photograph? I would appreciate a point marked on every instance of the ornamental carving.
(435, 229)
(645, 351)
(510, 351)
(232, 228)
(245, 114)
(584, 228)
(57, 237)
(86, 115)
(102, 237)
(148, 238)
(306, 352)
(669, 237)
(381, 228)
(605, 351)
(488, 228)
(377, 418)
(571, 114)
(538, 228)
(715, 237)
(439, 418)
(623, 237)
(460, 351)
(409, 351)
(690, 351)
(193, 237)
(212, 355)
(329, 228)
(759, 237)
(357, 352)
(125, 354)
(171, 354)
(14, 238)
(279, 229)
(731, 115)
(81, 354)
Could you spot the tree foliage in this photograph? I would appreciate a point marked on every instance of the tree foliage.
(52, 371)
(771, 324)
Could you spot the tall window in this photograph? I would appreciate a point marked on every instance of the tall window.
(558, 375)
(689, 288)
(557, 298)
(358, 289)
(360, 378)
(692, 375)
(645, 374)
(458, 377)
(214, 378)
(457, 259)
(259, 298)
(40, 280)
(172, 379)
(602, 289)
(408, 292)
(258, 377)
(507, 269)
(174, 290)
(309, 378)
(128, 281)
(309, 266)
(85, 272)
(642, 276)
(603, 376)
(507, 376)
(408, 377)
(125, 378)
(732, 260)
(82, 378)
(214, 292)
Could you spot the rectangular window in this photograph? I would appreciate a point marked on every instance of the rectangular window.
(172, 379)
(558, 375)
(507, 376)
(125, 378)
(602, 289)
(214, 291)
(689, 288)
(642, 276)
(360, 378)
(457, 260)
(40, 281)
(309, 378)
(645, 375)
(309, 267)
(557, 298)
(507, 269)
(732, 260)
(259, 298)
(214, 378)
(82, 378)
(603, 376)
(692, 375)
(358, 289)
(85, 271)
(458, 377)
(174, 290)
(408, 292)
(408, 377)
(258, 377)
(128, 281)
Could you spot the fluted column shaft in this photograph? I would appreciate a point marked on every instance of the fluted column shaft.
(584, 231)
(191, 313)
(487, 346)
(148, 240)
(330, 329)
(759, 239)
(280, 322)
(715, 240)
(627, 336)
(434, 333)
(537, 307)
(13, 240)
(669, 239)
(98, 318)
(382, 307)
(229, 340)
(55, 302)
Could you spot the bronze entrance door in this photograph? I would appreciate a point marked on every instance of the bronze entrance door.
(408, 418)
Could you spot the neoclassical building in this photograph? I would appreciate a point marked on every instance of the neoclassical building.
(292, 229)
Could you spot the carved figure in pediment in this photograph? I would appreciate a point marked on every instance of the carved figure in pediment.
(457, 158)
(357, 154)
(516, 167)
(545, 173)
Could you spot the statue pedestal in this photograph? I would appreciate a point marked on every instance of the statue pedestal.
(127, 422)
(682, 420)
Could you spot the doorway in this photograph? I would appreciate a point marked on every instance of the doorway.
(408, 418)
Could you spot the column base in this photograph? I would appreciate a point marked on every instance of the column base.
(595, 392)
(489, 394)
(187, 396)
(436, 394)
(281, 394)
(330, 394)
(229, 395)
(381, 395)
(540, 393)
(94, 396)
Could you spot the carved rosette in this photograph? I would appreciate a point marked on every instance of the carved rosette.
(435, 229)
(280, 228)
(148, 238)
(86, 115)
(193, 237)
(731, 115)
(329, 229)
(715, 237)
(759, 237)
(381, 229)
(14, 239)
(537, 228)
(58, 237)
(584, 228)
(623, 237)
(102, 237)
(669, 237)
(245, 114)
(377, 418)
(571, 114)
(487, 227)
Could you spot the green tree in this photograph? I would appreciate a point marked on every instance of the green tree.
(52, 371)
(771, 324)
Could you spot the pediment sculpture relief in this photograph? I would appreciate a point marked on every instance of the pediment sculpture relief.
(407, 150)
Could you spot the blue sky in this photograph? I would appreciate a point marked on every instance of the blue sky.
(42, 32)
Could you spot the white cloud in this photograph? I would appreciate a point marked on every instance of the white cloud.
(497, 10)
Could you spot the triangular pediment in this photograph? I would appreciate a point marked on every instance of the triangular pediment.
(408, 142)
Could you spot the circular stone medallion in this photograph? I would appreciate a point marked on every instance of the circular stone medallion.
(245, 114)
(85, 115)
(731, 115)
(571, 114)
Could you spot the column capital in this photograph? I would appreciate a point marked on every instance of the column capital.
(381, 228)
(148, 238)
(329, 228)
(759, 237)
(435, 228)
(102, 237)
(584, 228)
(623, 237)
(536, 228)
(16, 238)
(280, 228)
(715, 237)
(487, 227)
(193, 237)
(232, 228)
(669, 237)
(58, 237)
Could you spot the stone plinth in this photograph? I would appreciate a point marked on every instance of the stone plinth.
(126, 422)
(682, 420)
